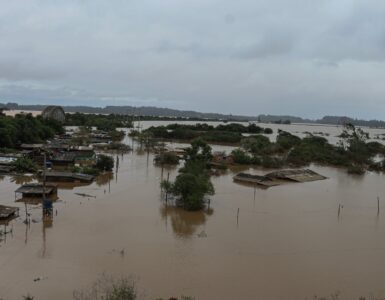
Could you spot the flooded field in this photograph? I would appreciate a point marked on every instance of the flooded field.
(289, 242)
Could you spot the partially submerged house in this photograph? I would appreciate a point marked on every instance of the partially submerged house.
(256, 179)
(55, 176)
(78, 155)
(222, 158)
(279, 177)
(6, 162)
(301, 175)
(7, 212)
(36, 190)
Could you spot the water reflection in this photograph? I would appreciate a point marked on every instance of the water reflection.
(184, 223)
(70, 185)
(47, 223)
(6, 228)
(104, 179)
(22, 179)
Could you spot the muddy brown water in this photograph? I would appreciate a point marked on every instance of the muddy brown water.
(288, 243)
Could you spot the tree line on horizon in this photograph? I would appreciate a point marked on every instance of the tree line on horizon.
(150, 112)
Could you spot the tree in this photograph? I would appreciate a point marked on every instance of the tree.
(24, 165)
(193, 182)
(199, 150)
(104, 163)
(241, 157)
(192, 188)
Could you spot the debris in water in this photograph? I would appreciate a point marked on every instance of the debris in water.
(39, 278)
(85, 195)
(202, 234)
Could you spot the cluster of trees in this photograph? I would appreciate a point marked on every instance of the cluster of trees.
(102, 122)
(353, 151)
(228, 133)
(193, 182)
(26, 129)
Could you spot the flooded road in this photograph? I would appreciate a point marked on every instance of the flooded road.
(288, 242)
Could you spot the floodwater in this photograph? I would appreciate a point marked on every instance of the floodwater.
(288, 242)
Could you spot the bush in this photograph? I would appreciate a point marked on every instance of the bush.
(268, 131)
(356, 169)
(271, 162)
(241, 157)
(256, 144)
(108, 288)
(104, 163)
(23, 164)
(168, 158)
(286, 140)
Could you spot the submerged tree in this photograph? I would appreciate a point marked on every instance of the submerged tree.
(193, 183)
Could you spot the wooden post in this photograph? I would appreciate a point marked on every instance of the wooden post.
(168, 178)
(378, 205)
(44, 178)
(339, 209)
(237, 215)
(26, 212)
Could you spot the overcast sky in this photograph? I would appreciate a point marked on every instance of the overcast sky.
(301, 57)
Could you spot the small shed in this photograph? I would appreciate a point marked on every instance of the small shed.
(8, 212)
(35, 190)
(57, 176)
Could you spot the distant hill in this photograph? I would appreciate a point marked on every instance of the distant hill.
(151, 111)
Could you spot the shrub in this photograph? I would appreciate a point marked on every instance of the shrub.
(256, 144)
(24, 165)
(271, 162)
(268, 131)
(241, 157)
(168, 158)
(108, 288)
(104, 163)
(356, 169)
(286, 140)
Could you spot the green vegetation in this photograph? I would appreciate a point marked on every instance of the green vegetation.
(241, 157)
(228, 133)
(116, 135)
(23, 165)
(193, 182)
(108, 288)
(104, 163)
(20, 129)
(167, 158)
(352, 152)
(101, 122)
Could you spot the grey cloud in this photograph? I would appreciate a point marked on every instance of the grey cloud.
(303, 57)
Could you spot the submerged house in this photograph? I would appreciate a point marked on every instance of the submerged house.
(55, 113)
(222, 158)
(279, 177)
(7, 212)
(36, 190)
